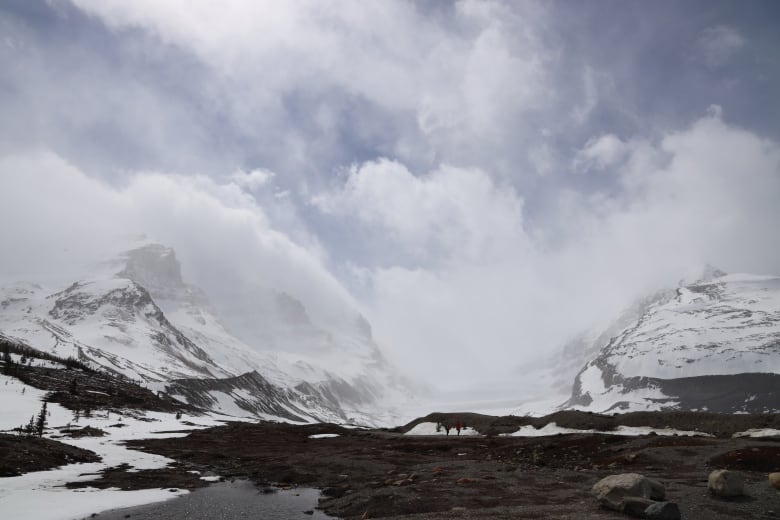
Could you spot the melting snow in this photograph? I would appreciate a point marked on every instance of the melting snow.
(40, 495)
(758, 432)
(554, 429)
(429, 428)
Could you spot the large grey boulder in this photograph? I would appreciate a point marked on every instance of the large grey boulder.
(611, 490)
(774, 480)
(726, 484)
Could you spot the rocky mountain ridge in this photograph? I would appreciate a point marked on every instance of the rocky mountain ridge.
(709, 345)
(136, 316)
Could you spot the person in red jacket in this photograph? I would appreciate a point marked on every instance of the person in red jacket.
(458, 426)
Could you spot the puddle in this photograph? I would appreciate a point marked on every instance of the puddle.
(226, 501)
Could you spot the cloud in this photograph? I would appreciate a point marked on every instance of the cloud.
(446, 214)
(717, 46)
(489, 291)
(65, 221)
(422, 156)
(600, 153)
(253, 179)
(389, 76)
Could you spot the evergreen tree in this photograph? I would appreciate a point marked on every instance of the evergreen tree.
(30, 428)
(40, 423)
(8, 367)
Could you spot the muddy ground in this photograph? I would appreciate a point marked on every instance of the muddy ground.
(385, 474)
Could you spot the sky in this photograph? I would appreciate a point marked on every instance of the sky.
(483, 180)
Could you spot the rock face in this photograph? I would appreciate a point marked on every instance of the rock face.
(713, 345)
(726, 484)
(612, 490)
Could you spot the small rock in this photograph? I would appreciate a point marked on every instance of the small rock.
(458, 509)
(465, 480)
(610, 490)
(663, 511)
(726, 484)
(635, 506)
(774, 480)
(309, 512)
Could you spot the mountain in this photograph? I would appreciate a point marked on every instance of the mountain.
(136, 316)
(713, 344)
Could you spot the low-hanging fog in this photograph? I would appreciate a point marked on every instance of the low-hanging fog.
(482, 180)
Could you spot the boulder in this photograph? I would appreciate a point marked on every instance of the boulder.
(663, 511)
(611, 490)
(726, 484)
(774, 480)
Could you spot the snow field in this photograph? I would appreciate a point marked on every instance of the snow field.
(429, 428)
(40, 495)
(554, 429)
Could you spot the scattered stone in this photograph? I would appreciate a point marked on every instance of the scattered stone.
(635, 506)
(726, 484)
(465, 480)
(309, 512)
(662, 511)
(774, 480)
(612, 489)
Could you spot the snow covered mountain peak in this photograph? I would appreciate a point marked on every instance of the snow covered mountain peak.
(707, 274)
(153, 266)
(724, 326)
(136, 315)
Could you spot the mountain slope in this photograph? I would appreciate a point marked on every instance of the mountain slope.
(135, 315)
(713, 344)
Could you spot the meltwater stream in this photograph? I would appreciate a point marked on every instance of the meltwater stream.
(227, 501)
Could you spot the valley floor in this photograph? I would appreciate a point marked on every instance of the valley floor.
(522, 468)
(386, 474)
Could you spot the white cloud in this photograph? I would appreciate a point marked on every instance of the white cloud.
(489, 292)
(459, 77)
(601, 152)
(446, 214)
(63, 221)
(253, 179)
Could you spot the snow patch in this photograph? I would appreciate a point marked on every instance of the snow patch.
(430, 428)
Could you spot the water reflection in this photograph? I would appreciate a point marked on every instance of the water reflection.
(228, 501)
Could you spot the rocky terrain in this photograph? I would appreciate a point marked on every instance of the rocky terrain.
(387, 474)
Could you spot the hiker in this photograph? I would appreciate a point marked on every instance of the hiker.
(447, 428)
(457, 426)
